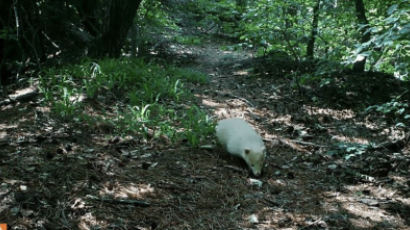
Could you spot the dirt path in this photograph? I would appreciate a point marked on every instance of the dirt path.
(56, 175)
(304, 186)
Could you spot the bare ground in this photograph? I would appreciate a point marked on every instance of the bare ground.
(59, 176)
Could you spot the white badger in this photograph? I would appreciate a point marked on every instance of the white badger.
(240, 139)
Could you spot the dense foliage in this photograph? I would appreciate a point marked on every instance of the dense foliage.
(32, 32)
(288, 25)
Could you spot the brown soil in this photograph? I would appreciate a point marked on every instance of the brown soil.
(59, 176)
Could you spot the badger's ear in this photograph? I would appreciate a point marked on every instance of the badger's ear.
(247, 151)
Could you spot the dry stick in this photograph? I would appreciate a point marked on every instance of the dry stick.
(309, 143)
(244, 100)
(231, 167)
(122, 201)
(237, 97)
(293, 145)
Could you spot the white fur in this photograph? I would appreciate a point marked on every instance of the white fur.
(240, 139)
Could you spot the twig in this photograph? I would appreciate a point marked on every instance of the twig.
(309, 143)
(231, 167)
(121, 201)
(237, 97)
(293, 145)
(17, 19)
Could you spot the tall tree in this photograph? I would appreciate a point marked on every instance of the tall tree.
(313, 32)
(360, 63)
(5, 14)
(121, 15)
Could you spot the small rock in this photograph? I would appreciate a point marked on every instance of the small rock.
(4, 138)
(332, 166)
(255, 182)
(23, 188)
(255, 195)
(253, 219)
(370, 202)
(153, 165)
(26, 213)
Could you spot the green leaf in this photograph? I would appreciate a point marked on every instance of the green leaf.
(400, 125)
(332, 152)
(391, 19)
(401, 111)
(392, 9)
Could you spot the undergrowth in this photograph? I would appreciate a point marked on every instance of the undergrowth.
(188, 40)
(147, 98)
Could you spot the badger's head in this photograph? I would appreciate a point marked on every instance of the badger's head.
(255, 158)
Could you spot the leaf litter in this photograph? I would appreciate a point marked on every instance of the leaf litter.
(65, 176)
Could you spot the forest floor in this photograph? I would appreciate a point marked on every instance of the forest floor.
(59, 176)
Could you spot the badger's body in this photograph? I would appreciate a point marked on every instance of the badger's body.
(241, 140)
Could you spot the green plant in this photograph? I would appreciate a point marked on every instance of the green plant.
(389, 47)
(146, 88)
(168, 130)
(396, 109)
(62, 93)
(66, 107)
(134, 120)
(349, 150)
(188, 40)
(198, 126)
(190, 75)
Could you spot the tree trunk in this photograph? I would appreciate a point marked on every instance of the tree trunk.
(311, 44)
(89, 16)
(3, 70)
(360, 64)
(290, 12)
(121, 16)
(241, 8)
(5, 18)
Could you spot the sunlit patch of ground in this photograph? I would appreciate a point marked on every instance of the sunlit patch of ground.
(334, 114)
